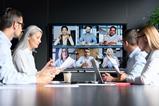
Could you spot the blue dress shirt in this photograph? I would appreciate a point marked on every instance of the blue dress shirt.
(8, 72)
(88, 38)
(135, 64)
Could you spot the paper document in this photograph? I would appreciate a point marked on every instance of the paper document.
(115, 64)
(67, 63)
(62, 85)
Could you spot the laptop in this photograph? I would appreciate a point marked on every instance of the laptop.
(98, 75)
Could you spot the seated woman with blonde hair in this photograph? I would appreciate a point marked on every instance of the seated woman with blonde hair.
(106, 62)
(148, 40)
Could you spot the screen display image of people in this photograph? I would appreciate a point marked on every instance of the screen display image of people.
(88, 35)
(110, 34)
(87, 41)
(64, 34)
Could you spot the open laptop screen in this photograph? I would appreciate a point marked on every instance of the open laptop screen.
(98, 75)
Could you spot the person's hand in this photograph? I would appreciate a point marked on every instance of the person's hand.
(100, 43)
(107, 77)
(48, 64)
(65, 37)
(46, 75)
(111, 43)
(122, 76)
(84, 64)
(105, 43)
(58, 70)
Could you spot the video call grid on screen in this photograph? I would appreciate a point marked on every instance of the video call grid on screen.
(97, 50)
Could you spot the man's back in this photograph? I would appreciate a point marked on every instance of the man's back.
(135, 64)
(8, 72)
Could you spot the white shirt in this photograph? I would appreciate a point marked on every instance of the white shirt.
(59, 62)
(64, 40)
(24, 62)
(8, 72)
(114, 38)
(84, 59)
(108, 63)
(150, 73)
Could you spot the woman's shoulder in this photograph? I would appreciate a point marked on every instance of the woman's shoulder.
(18, 54)
(21, 52)
(155, 53)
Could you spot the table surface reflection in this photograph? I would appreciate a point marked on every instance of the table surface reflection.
(42, 95)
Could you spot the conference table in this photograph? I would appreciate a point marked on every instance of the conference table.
(79, 95)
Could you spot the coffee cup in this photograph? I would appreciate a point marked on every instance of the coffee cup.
(67, 77)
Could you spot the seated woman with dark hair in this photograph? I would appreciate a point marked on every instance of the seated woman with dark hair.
(65, 38)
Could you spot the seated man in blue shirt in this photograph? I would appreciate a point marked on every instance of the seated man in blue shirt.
(11, 24)
(85, 60)
(88, 38)
(136, 61)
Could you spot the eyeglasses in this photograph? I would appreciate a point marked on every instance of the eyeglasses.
(22, 24)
